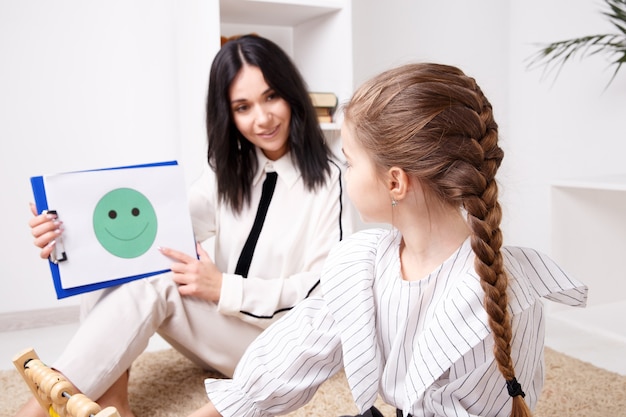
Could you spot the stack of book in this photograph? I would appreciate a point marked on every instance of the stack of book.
(325, 105)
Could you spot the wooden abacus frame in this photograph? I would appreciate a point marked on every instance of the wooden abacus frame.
(54, 392)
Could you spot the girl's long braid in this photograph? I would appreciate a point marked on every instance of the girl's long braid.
(484, 216)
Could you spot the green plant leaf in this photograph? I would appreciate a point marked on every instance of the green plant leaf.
(553, 56)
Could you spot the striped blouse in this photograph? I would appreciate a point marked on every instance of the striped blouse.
(424, 346)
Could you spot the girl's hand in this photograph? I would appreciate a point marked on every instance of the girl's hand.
(195, 277)
(45, 228)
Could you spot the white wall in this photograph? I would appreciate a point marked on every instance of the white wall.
(395, 32)
(471, 35)
(565, 128)
(549, 129)
(86, 85)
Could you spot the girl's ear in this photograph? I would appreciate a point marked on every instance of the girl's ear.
(397, 183)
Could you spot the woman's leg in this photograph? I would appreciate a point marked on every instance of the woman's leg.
(32, 408)
(117, 326)
(117, 396)
(113, 333)
(208, 338)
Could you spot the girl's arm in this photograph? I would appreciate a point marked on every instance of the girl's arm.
(283, 368)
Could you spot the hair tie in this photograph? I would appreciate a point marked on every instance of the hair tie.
(514, 388)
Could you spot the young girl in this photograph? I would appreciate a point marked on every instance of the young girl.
(434, 314)
(260, 123)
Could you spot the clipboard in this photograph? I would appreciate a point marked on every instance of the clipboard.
(114, 220)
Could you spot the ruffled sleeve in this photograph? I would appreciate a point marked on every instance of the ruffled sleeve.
(534, 275)
(348, 288)
(283, 368)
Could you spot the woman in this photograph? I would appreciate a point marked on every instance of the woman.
(434, 314)
(259, 120)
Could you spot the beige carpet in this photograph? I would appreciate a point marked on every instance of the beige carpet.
(166, 384)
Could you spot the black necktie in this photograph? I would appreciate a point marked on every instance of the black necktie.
(243, 264)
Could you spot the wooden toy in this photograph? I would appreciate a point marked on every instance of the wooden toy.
(54, 392)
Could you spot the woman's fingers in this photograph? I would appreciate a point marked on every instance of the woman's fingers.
(202, 253)
(47, 250)
(45, 228)
(176, 255)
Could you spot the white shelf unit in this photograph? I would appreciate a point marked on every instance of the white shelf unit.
(589, 241)
(604, 183)
(315, 33)
(589, 234)
(276, 12)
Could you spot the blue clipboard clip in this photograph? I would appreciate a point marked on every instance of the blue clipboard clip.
(58, 253)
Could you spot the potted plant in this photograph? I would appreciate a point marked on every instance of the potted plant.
(556, 54)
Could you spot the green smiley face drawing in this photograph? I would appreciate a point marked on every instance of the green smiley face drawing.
(125, 223)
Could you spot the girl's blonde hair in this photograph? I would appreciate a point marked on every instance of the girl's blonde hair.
(435, 123)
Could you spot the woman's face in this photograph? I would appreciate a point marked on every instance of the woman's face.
(259, 113)
(365, 188)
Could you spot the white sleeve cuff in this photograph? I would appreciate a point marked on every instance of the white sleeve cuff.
(229, 399)
(231, 296)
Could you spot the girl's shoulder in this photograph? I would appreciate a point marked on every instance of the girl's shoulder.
(370, 236)
(364, 244)
(350, 266)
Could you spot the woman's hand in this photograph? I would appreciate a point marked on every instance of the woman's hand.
(45, 228)
(196, 277)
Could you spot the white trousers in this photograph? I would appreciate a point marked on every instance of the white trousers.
(117, 323)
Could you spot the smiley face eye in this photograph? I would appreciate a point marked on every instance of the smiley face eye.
(135, 211)
(112, 214)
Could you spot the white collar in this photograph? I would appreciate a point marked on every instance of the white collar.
(283, 166)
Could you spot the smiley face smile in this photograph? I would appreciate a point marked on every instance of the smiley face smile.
(125, 223)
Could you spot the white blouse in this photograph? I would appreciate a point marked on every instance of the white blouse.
(424, 346)
(299, 230)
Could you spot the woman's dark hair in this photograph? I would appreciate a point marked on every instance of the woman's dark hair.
(230, 154)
